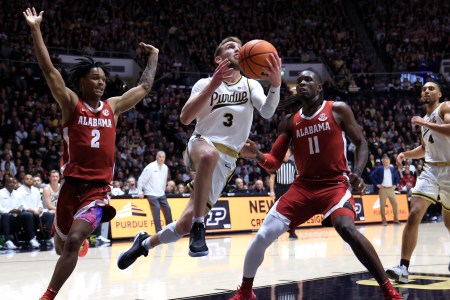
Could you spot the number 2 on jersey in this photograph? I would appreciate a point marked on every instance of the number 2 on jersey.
(313, 145)
(95, 137)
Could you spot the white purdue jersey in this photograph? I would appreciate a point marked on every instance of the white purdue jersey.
(436, 145)
(228, 116)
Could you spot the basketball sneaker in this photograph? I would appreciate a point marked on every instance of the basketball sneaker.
(83, 249)
(197, 244)
(398, 273)
(242, 295)
(128, 257)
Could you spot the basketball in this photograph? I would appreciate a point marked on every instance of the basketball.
(252, 58)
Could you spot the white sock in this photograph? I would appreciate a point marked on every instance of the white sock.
(169, 234)
(198, 220)
(146, 244)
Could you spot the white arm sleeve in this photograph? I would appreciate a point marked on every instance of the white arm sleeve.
(266, 105)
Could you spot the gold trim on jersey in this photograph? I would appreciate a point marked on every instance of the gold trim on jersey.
(225, 150)
(424, 196)
(234, 83)
(438, 164)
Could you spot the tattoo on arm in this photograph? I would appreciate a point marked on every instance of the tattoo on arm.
(148, 76)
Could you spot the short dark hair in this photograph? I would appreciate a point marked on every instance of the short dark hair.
(80, 69)
(224, 41)
(436, 83)
(312, 71)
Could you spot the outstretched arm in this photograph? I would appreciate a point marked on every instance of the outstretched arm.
(129, 99)
(266, 105)
(270, 161)
(66, 98)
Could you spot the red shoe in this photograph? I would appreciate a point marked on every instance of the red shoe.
(241, 295)
(83, 249)
(392, 294)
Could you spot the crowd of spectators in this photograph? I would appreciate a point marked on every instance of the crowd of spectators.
(409, 35)
(306, 30)
(30, 129)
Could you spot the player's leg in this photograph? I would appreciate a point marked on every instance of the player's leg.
(343, 221)
(143, 242)
(446, 218)
(418, 209)
(273, 226)
(66, 263)
(204, 158)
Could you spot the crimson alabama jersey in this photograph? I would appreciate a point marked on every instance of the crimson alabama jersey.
(319, 145)
(89, 143)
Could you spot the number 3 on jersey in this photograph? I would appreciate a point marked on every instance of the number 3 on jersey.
(95, 138)
(229, 120)
(313, 145)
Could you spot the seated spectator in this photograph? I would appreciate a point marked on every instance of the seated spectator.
(131, 187)
(182, 189)
(7, 165)
(260, 189)
(116, 189)
(407, 181)
(238, 188)
(50, 192)
(171, 187)
(31, 202)
(10, 211)
(37, 182)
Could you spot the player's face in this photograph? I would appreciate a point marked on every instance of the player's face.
(230, 50)
(54, 177)
(430, 93)
(308, 86)
(94, 83)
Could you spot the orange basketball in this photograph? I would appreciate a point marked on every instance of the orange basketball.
(252, 58)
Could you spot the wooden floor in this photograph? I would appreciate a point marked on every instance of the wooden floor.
(169, 273)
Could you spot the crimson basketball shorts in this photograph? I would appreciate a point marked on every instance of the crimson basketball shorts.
(301, 202)
(84, 200)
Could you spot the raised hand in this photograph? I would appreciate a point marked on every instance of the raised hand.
(32, 18)
(222, 72)
(274, 72)
(149, 48)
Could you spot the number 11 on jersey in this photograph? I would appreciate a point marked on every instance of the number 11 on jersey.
(313, 145)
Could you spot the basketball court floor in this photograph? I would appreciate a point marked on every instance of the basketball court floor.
(319, 265)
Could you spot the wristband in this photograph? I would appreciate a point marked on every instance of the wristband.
(357, 171)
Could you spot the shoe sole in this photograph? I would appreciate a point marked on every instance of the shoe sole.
(198, 254)
(397, 278)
